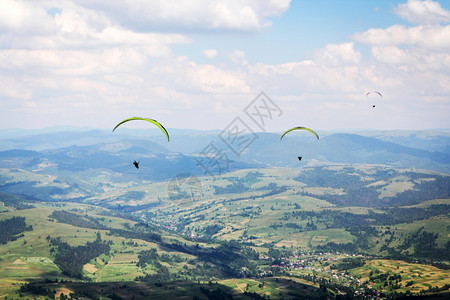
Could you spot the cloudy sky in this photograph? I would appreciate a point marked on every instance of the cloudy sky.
(200, 64)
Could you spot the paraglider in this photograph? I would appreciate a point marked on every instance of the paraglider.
(159, 125)
(374, 92)
(136, 164)
(302, 128)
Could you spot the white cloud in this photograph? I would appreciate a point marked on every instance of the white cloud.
(338, 54)
(60, 58)
(13, 88)
(73, 58)
(179, 15)
(415, 60)
(391, 55)
(184, 75)
(71, 62)
(428, 37)
(214, 80)
(238, 58)
(423, 12)
(412, 64)
(333, 71)
(29, 25)
(19, 17)
(410, 59)
(210, 53)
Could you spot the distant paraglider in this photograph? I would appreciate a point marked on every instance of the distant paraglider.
(299, 158)
(136, 164)
(374, 92)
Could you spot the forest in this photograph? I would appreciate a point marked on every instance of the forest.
(11, 229)
(71, 259)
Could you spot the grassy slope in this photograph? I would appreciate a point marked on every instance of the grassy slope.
(29, 257)
(20, 262)
(253, 215)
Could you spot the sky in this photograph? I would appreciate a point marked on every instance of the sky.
(265, 65)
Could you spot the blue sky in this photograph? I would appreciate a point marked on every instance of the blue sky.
(303, 28)
(198, 64)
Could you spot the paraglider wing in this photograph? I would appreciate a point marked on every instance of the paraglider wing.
(374, 92)
(148, 120)
(300, 127)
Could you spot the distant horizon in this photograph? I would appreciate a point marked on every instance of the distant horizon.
(426, 149)
(56, 128)
(213, 129)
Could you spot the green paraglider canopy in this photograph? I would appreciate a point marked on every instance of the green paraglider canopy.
(302, 128)
(148, 120)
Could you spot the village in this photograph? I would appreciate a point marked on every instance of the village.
(327, 269)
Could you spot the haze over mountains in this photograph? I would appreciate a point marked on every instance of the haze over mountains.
(77, 150)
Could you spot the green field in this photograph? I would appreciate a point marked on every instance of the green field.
(421, 276)
(292, 225)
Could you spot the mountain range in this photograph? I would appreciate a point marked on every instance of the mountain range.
(93, 149)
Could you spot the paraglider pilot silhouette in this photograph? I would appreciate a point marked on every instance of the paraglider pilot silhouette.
(136, 164)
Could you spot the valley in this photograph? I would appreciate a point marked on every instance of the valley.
(105, 230)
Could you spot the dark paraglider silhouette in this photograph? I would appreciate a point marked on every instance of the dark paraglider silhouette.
(375, 92)
(299, 158)
(136, 164)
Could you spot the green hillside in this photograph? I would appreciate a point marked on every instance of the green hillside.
(275, 231)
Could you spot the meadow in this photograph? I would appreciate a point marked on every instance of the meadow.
(302, 231)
